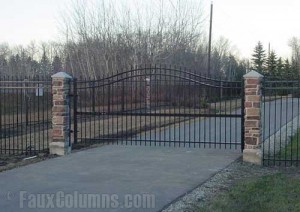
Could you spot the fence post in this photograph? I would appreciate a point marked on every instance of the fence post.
(60, 143)
(25, 90)
(252, 152)
(148, 94)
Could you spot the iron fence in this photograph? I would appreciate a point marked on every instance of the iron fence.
(280, 122)
(25, 115)
(159, 105)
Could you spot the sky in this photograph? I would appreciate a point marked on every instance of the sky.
(22, 21)
(243, 22)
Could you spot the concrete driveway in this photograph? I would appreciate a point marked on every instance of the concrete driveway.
(117, 178)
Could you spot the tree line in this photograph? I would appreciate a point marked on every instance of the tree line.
(269, 64)
(32, 61)
(101, 38)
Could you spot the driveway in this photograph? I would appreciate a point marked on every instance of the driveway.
(278, 113)
(124, 178)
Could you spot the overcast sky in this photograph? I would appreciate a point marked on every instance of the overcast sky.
(243, 22)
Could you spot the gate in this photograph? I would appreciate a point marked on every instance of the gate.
(159, 106)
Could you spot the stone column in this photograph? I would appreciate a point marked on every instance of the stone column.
(252, 150)
(60, 144)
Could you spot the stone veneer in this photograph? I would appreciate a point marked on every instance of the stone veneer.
(252, 85)
(60, 144)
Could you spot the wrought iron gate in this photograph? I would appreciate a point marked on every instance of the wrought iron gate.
(159, 105)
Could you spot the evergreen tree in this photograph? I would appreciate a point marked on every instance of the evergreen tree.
(56, 65)
(45, 66)
(241, 70)
(33, 66)
(272, 64)
(287, 69)
(3, 66)
(13, 66)
(280, 68)
(294, 69)
(68, 65)
(259, 58)
(231, 67)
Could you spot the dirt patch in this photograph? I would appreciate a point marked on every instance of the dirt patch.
(8, 162)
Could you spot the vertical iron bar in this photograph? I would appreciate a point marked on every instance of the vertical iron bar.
(242, 116)
(275, 125)
(189, 107)
(12, 123)
(230, 94)
(75, 111)
(43, 112)
(264, 93)
(1, 115)
(38, 118)
(5, 120)
(117, 108)
(157, 128)
(292, 100)
(286, 120)
(298, 124)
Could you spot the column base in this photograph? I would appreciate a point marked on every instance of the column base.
(252, 156)
(59, 148)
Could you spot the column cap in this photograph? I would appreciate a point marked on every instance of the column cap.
(253, 74)
(61, 75)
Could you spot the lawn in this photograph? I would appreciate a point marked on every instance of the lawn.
(292, 150)
(276, 192)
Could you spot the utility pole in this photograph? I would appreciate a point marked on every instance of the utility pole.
(209, 42)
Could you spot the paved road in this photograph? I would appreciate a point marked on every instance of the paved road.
(277, 114)
(163, 172)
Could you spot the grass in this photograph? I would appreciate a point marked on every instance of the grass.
(277, 192)
(292, 150)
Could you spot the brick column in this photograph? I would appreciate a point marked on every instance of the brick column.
(252, 151)
(60, 144)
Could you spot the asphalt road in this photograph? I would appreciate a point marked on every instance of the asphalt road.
(278, 113)
(120, 176)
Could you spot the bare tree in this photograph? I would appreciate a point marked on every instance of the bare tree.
(103, 37)
(294, 43)
(106, 37)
